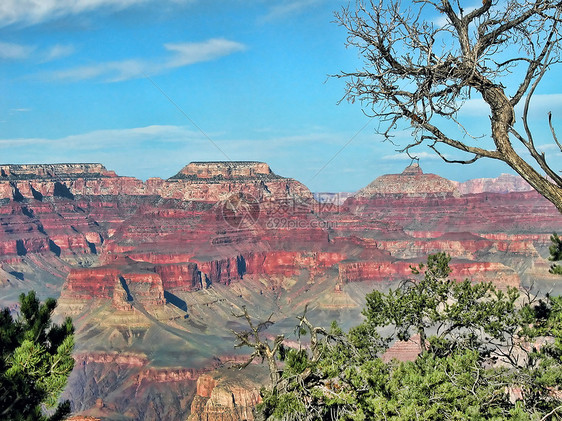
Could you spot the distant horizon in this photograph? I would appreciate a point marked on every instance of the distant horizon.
(146, 86)
(257, 162)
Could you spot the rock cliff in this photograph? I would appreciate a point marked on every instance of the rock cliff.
(153, 271)
(202, 181)
(505, 183)
(412, 182)
(227, 395)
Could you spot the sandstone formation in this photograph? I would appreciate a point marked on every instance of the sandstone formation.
(404, 350)
(153, 271)
(225, 169)
(412, 182)
(505, 183)
(208, 182)
(227, 395)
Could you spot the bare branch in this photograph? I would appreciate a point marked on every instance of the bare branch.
(417, 74)
(261, 346)
(454, 161)
(553, 132)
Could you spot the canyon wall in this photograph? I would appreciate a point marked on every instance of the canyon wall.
(153, 272)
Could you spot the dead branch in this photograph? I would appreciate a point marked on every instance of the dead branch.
(419, 74)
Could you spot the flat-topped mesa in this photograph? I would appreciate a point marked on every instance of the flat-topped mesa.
(226, 170)
(53, 171)
(215, 181)
(36, 181)
(505, 183)
(412, 182)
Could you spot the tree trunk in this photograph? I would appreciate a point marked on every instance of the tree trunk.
(503, 117)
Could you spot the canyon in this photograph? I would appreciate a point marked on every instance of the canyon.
(154, 272)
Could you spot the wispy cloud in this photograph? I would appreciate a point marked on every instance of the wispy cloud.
(179, 55)
(102, 139)
(194, 52)
(111, 71)
(426, 156)
(58, 51)
(289, 7)
(540, 105)
(35, 11)
(150, 151)
(552, 147)
(11, 51)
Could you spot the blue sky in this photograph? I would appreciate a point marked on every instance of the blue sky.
(145, 86)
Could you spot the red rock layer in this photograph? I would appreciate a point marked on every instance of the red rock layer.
(220, 399)
(210, 182)
(362, 271)
(510, 213)
(412, 182)
(505, 183)
(404, 350)
(225, 169)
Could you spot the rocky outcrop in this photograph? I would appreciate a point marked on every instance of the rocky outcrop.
(124, 282)
(404, 350)
(89, 283)
(117, 385)
(50, 171)
(388, 271)
(202, 181)
(40, 181)
(227, 396)
(505, 183)
(226, 170)
(510, 213)
(412, 182)
(157, 268)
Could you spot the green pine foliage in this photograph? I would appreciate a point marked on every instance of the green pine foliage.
(555, 254)
(35, 361)
(485, 354)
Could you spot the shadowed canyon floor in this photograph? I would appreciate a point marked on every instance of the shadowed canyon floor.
(152, 272)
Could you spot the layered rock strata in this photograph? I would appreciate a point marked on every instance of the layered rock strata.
(412, 182)
(154, 271)
(208, 182)
(227, 396)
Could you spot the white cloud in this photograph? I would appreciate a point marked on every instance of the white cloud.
(156, 150)
(194, 52)
(35, 11)
(11, 51)
(112, 71)
(58, 51)
(102, 139)
(475, 107)
(552, 147)
(289, 7)
(540, 105)
(426, 156)
(182, 54)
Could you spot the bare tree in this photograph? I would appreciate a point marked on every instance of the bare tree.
(300, 384)
(421, 69)
(252, 339)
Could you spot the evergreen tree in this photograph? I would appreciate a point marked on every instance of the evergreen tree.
(484, 354)
(35, 361)
(555, 254)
